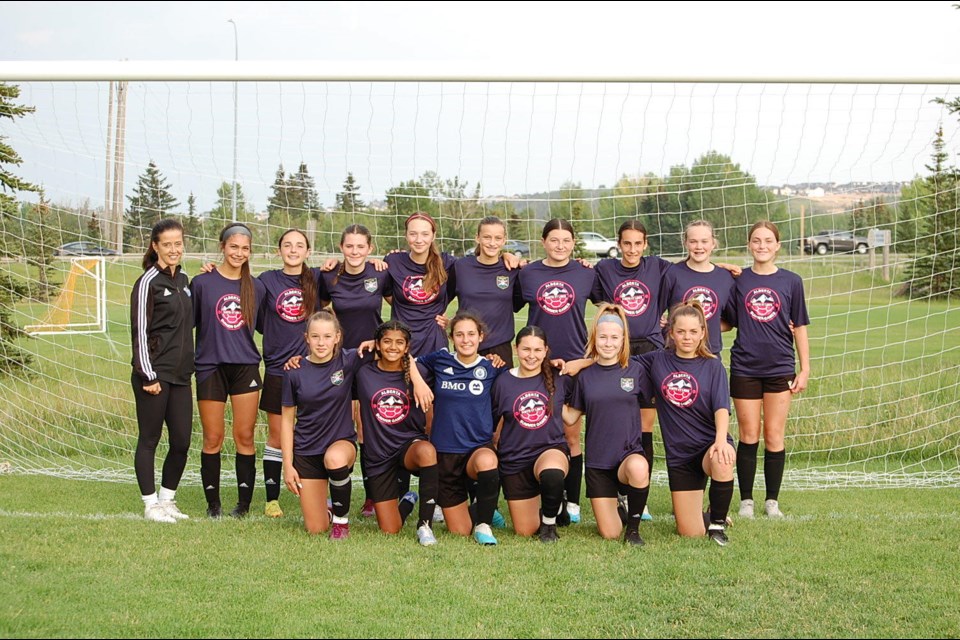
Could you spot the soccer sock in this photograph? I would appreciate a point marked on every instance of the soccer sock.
(551, 494)
(721, 493)
(429, 487)
(246, 477)
(272, 467)
(471, 491)
(488, 491)
(167, 495)
(210, 476)
(773, 463)
(149, 500)
(574, 479)
(403, 482)
(636, 501)
(406, 508)
(646, 439)
(746, 468)
(364, 478)
(340, 487)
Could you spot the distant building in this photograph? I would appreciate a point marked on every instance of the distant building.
(816, 192)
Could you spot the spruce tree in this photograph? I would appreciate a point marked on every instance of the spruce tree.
(151, 201)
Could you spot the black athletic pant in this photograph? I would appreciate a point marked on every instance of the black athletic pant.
(174, 406)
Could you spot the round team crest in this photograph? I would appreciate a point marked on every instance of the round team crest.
(475, 387)
(633, 296)
(290, 305)
(763, 304)
(556, 297)
(680, 389)
(414, 292)
(530, 410)
(479, 373)
(705, 296)
(391, 406)
(229, 312)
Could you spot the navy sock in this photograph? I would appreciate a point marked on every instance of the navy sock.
(773, 463)
(574, 479)
(246, 477)
(636, 501)
(272, 468)
(747, 468)
(488, 492)
(210, 477)
(551, 492)
(646, 439)
(429, 486)
(721, 493)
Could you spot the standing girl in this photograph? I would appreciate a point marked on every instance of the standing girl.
(161, 323)
(225, 303)
(763, 379)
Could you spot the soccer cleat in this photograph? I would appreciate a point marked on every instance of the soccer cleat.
(706, 519)
(563, 518)
(170, 506)
(772, 509)
(718, 534)
(574, 511)
(498, 522)
(632, 537)
(367, 510)
(645, 516)
(339, 531)
(438, 515)
(483, 535)
(156, 513)
(425, 536)
(746, 509)
(272, 509)
(214, 511)
(241, 510)
(548, 533)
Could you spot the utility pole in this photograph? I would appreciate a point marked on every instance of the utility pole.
(107, 183)
(118, 163)
(236, 58)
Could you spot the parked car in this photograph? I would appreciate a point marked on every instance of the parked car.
(834, 241)
(82, 249)
(517, 248)
(596, 245)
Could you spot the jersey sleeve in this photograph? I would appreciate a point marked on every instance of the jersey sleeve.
(720, 387)
(798, 305)
(644, 378)
(141, 317)
(576, 400)
(287, 396)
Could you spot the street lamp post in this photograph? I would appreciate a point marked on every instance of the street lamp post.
(236, 57)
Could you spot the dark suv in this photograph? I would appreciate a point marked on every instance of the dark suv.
(835, 241)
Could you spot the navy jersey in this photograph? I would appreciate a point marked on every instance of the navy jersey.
(493, 293)
(415, 307)
(222, 335)
(712, 289)
(558, 300)
(357, 300)
(281, 319)
(688, 392)
(322, 394)
(637, 290)
(389, 416)
(462, 407)
(762, 308)
(528, 430)
(610, 396)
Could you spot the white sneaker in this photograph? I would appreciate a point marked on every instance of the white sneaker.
(156, 513)
(425, 536)
(574, 511)
(746, 509)
(170, 506)
(438, 515)
(772, 509)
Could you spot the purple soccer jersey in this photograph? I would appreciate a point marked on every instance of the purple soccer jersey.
(322, 394)
(610, 396)
(688, 392)
(389, 416)
(357, 300)
(637, 291)
(558, 299)
(280, 320)
(222, 335)
(493, 293)
(712, 289)
(528, 429)
(415, 307)
(762, 307)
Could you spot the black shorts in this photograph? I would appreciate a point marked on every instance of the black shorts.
(229, 380)
(504, 350)
(688, 476)
(312, 467)
(271, 396)
(453, 476)
(750, 388)
(639, 347)
(385, 486)
(603, 483)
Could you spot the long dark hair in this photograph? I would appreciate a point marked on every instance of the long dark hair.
(248, 293)
(436, 274)
(546, 369)
(464, 314)
(357, 229)
(395, 325)
(308, 283)
(558, 223)
(150, 258)
(631, 225)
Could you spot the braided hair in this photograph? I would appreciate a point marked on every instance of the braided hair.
(395, 325)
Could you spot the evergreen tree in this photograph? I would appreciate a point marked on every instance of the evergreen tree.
(348, 200)
(8, 181)
(40, 241)
(222, 214)
(304, 184)
(151, 201)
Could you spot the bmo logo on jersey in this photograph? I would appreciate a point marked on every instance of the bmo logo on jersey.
(530, 410)
(763, 304)
(633, 296)
(680, 389)
(391, 406)
(414, 292)
(453, 386)
(289, 305)
(705, 296)
(556, 297)
(229, 313)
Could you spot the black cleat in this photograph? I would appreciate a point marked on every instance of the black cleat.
(563, 518)
(717, 533)
(214, 511)
(548, 533)
(241, 510)
(632, 536)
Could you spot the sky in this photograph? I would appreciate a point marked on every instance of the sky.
(511, 137)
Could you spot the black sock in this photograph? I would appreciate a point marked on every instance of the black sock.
(272, 468)
(246, 477)
(721, 493)
(340, 487)
(403, 482)
(210, 477)
(646, 439)
(551, 492)
(574, 479)
(636, 501)
(406, 508)
(429, 486)
(471, 491)
(773, 463)
(746, 468)
(488, 492)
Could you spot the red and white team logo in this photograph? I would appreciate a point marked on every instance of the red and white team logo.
(290, 305)
(555, 297)
(633, 296)
(763, 304)
(680, 389)
(530, 410)
(391, 406)
(705, 296)
(413, 291)
(229, 312)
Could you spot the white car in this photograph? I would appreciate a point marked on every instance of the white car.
(596, 245)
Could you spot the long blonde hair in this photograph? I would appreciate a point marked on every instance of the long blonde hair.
(692, 309)
(436, 274)
(603, 312)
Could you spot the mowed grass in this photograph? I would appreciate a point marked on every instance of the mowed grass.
(79, 561)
